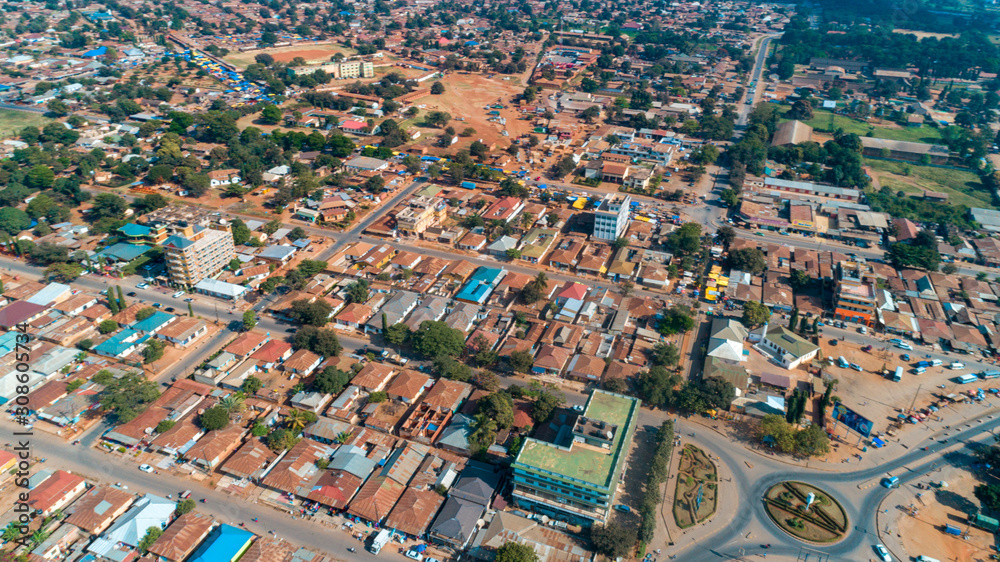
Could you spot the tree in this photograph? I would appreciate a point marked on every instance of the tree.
(241, 232)
(801, 110)
(281, 439)
(271, 115)
(437, 119)
(775, 431)
(657, 386)
(521, 361)
(730, 197)
(249, 320)
(726, 236)
(800, 279)
(164, 425)
(185, 506)
(750, 260)
(613, 539)
(545, 404)
(437, 88)
(63, 272)
(311, 313)
(14, 220)
(565, 165)
(812, 441)
(107, 326)
(331, 380)
(664, 354)
(153, 351)
(148, 539)
(251, 385)
(321, 342)
(435, 339)
(755, 314)
(685, 240)
(675, 320)
(126, 397)
(297, 420)
(513, 254)
(499, 407)
(145, 313)
(40, 177)
(515, 552)
(397, 334)
(989, 495)
(483, 435)
(451, 368)
(357, 292)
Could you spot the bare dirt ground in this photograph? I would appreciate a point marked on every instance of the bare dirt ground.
(924, 34)
(466, 96)
(314, 55)
(923, 533)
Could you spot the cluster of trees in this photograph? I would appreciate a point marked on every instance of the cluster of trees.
(920, 252)
(775, 431)
(659, 467)
(124, 398)
(317, 340)
(662, 388)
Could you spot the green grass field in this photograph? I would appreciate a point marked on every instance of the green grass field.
(963, 187)
(822, 121)
(12, 121)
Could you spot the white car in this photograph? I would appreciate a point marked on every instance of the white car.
(905, 346)
(178, 294)
(146, 468)
(142, 286)
(414, 555)
(883, 553)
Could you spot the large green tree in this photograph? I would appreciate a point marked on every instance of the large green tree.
(435, 339)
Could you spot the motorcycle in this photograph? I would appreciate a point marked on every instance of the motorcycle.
(352, 549)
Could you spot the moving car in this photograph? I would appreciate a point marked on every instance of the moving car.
(883, 553)
(130, 294)
(890, 482)
(178, 294)
(146, 468)
(905, 346)
(142, 286)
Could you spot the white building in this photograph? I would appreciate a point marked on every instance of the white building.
(611, 216)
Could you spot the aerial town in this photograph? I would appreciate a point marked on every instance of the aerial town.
(505, 281)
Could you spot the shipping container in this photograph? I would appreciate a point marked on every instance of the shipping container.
(985, 523)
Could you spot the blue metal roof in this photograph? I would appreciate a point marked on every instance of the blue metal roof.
(132, 229)
(225, 542)
(177, 242)
(150, 324)
(481, 284)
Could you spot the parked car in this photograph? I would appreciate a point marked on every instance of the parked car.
(178, 294)
(623, 508)
(130, 294)
(142, 286)
(414, 555)
(883, 553)
(146, 468)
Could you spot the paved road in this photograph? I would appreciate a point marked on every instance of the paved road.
(110, 469)
(860, 505)
(755, 74)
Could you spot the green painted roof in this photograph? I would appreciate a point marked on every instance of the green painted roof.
(585, 464)
(789, 341)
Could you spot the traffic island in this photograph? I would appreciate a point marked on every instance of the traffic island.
(696, 495)
(806, 512)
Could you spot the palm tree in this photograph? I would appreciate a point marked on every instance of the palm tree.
(10, 532)
(541, 281)
(297, 420)
(342, 437)
(232, 404)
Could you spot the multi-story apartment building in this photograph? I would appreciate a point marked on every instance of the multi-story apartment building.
(611, 216)
(419, 214)
(196, 253)
(341, 70)
(856, 301)
(576, 480)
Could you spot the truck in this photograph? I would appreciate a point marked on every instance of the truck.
(983, 522)
(923, 364)
(966, 379)
(381, 539)
(842, 363)
(898, 375)
(953, 530)
(468, 185)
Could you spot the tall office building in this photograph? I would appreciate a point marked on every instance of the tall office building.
(197, 253)
(611, 216)
(575, 479)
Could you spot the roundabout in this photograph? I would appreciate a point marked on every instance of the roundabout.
(806, 512)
